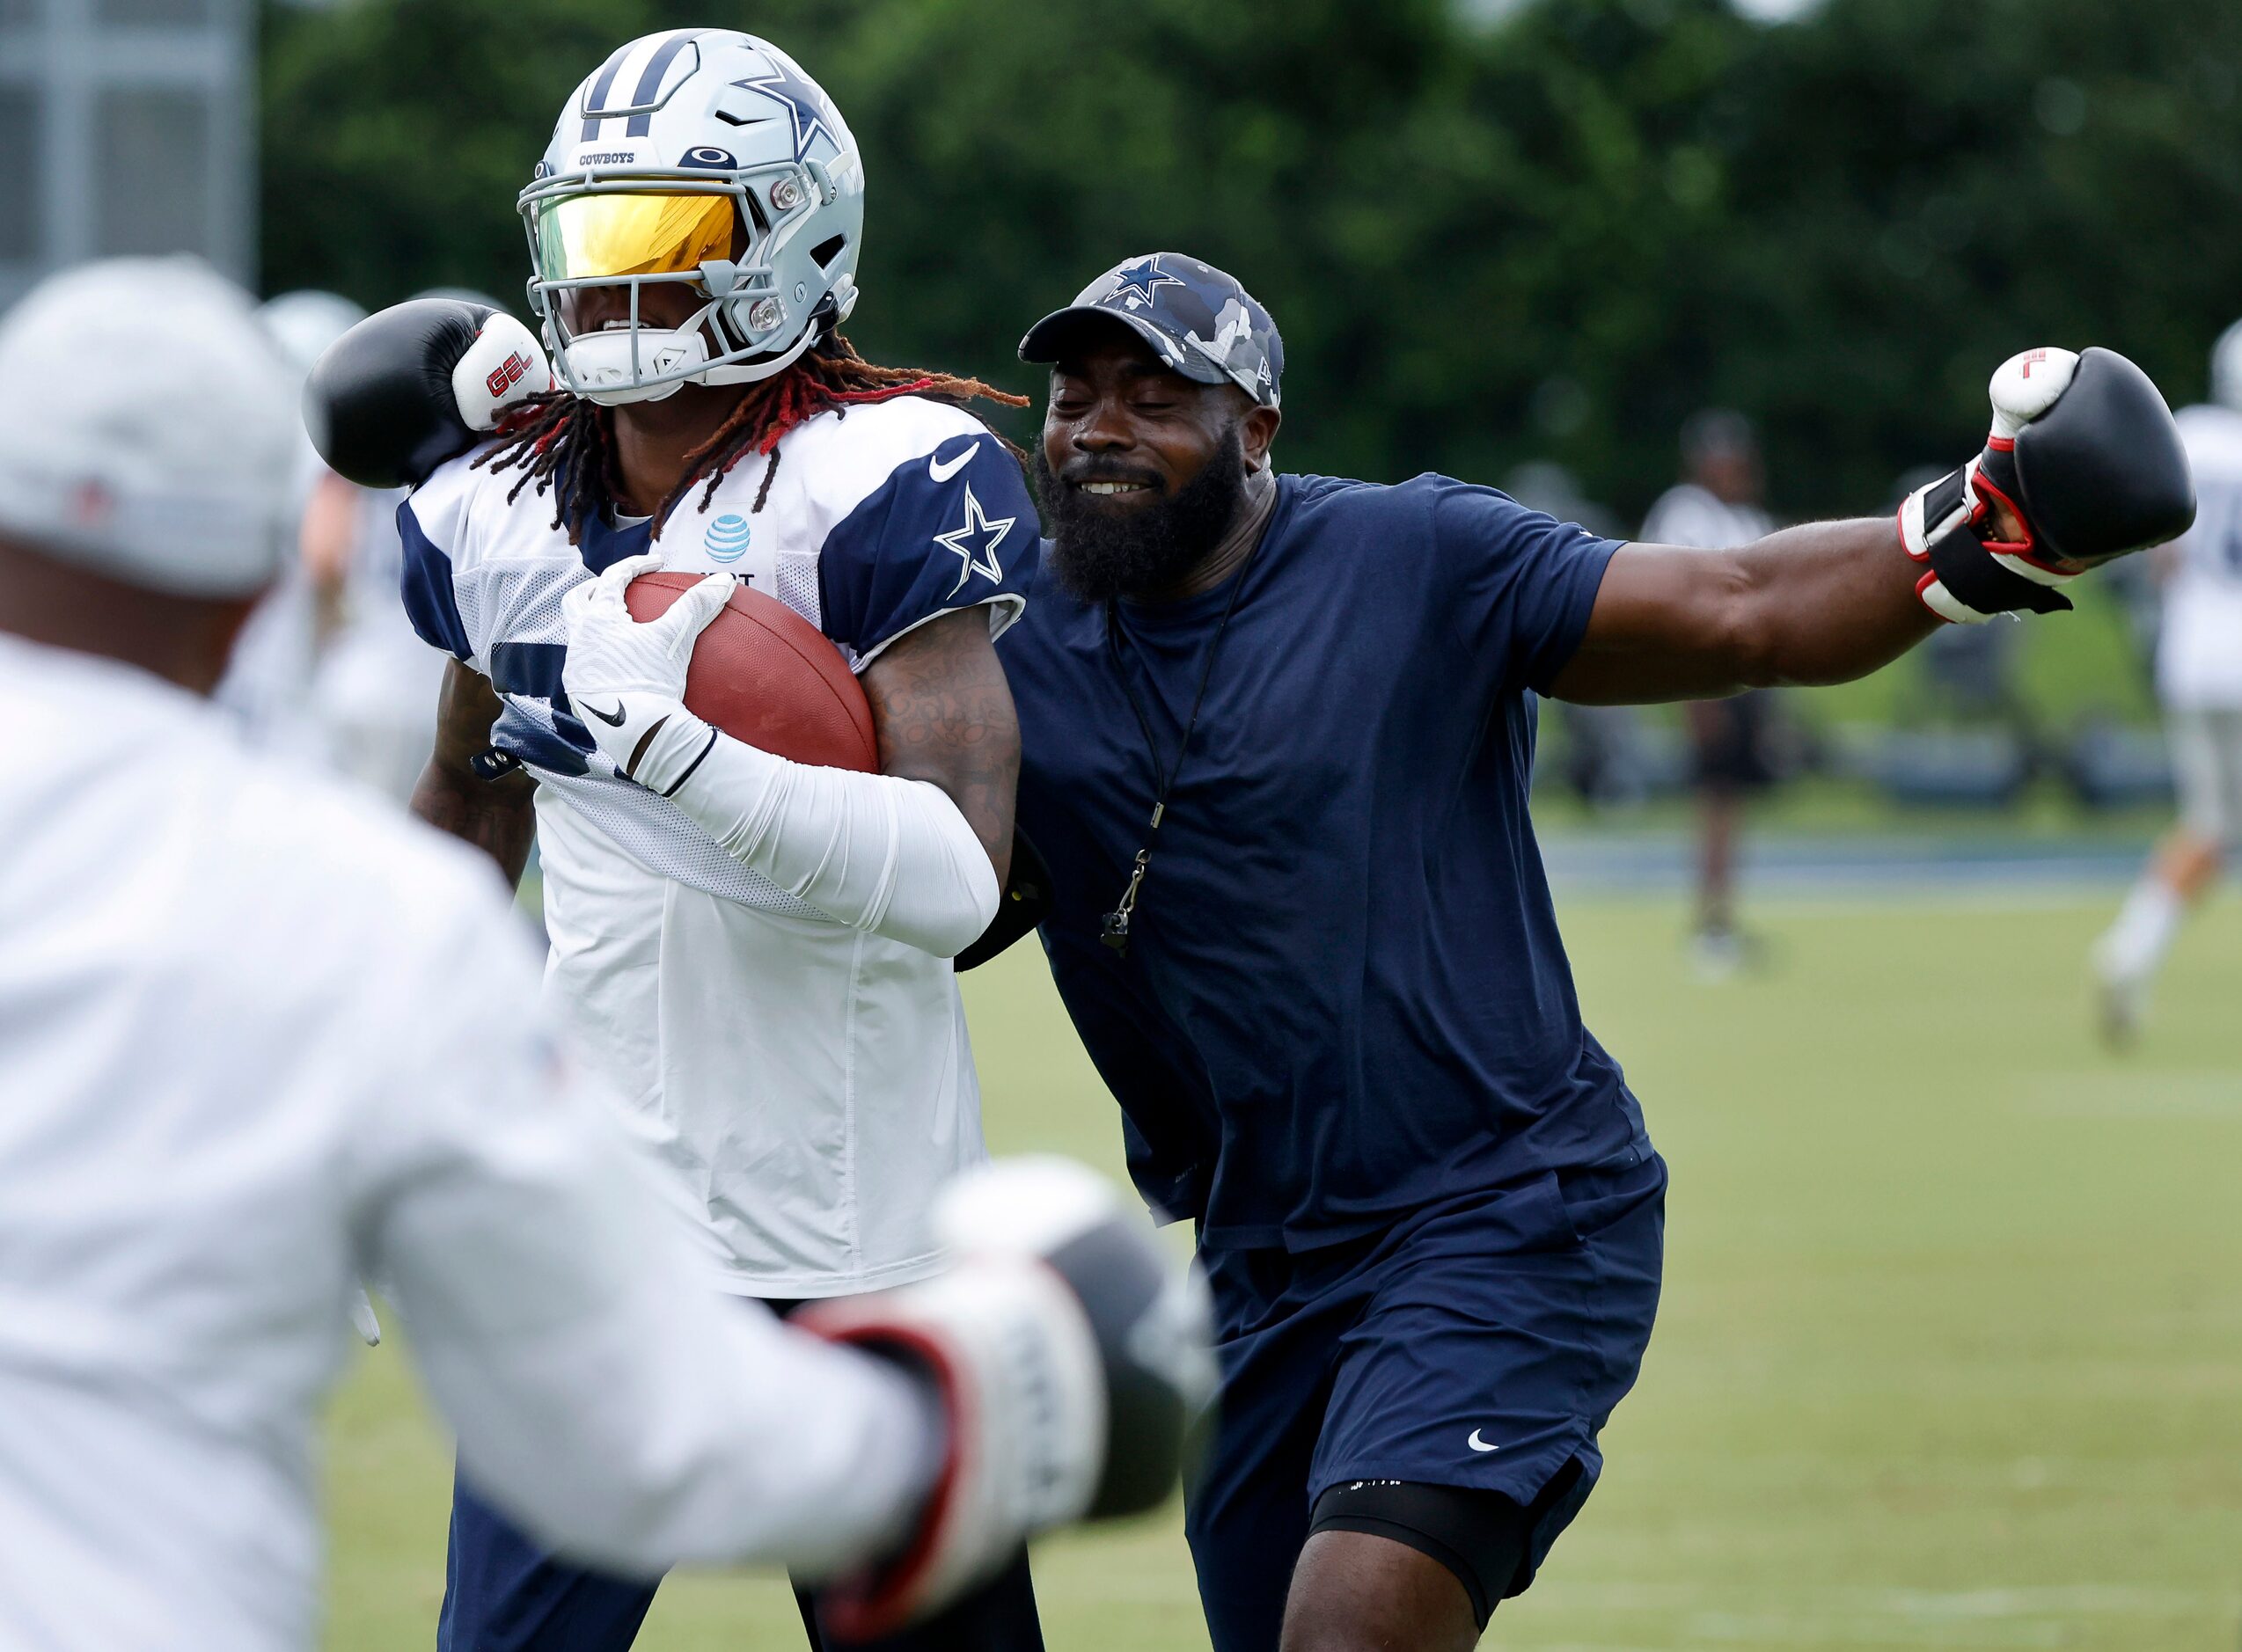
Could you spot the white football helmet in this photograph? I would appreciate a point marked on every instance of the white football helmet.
(2226, 368)
(304, 322)
(703, 157)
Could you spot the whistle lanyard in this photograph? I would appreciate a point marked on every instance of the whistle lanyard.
(1114, 930)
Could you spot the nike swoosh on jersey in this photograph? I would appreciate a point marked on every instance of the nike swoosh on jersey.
(615, 721)
(1479, 1445)
(941, 472)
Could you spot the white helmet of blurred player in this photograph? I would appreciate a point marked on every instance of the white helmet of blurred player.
(306, 321)
(2226, 368)
(703, 157)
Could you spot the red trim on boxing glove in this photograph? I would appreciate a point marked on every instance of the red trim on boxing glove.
(878, 1603)
(1980, 517)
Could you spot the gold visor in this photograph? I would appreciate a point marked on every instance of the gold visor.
(594, 237)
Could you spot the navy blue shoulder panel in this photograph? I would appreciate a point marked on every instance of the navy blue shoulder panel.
(950, 528)
(425, 587)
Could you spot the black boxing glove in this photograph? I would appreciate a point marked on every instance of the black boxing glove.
(2084, 454)
(1071, 1364)
(413, 384)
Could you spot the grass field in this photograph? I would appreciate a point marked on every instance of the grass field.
(1952, 1348)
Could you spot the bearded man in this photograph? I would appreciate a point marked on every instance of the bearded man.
(1276, 734)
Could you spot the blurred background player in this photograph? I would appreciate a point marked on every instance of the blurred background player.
(375, 683)
(258, 1036)
(1716, 506)
(757, 952)
(267, 682)
(1604, 759)
(329, 670)
(2199, 680)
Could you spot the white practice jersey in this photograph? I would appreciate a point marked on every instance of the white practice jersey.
(1687, 515)
(2199, 655)
(259, 1037)
(812, 1084)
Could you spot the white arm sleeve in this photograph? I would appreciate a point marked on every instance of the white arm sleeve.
(874, 851)
(603, 1391)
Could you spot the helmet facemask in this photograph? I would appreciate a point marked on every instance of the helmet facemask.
(721, 237)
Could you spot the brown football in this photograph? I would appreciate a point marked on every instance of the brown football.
(764, 675)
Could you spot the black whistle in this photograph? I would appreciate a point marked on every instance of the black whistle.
(1114, 932)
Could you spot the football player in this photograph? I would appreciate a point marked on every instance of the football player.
(257, 1034)
(758, 953)
(1277, 734)
(1717, 506)
(268, 682)
(2199, 679)
(364, 686)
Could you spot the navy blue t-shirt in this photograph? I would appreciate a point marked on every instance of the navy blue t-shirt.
(1345, 997)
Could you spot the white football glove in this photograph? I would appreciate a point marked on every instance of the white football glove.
(627, 681)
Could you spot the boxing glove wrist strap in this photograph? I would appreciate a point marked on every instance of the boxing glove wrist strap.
(1968, 577)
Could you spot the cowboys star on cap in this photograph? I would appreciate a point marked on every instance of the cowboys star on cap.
(974, 544)
(803, 101)
(1136, 283)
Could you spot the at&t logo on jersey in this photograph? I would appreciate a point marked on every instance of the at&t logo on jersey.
(727, 538)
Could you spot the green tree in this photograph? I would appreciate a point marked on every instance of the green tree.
(1553, 237)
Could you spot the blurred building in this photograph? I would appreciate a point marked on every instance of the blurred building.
(126, 126)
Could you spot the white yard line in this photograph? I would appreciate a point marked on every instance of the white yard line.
(2140, 1095)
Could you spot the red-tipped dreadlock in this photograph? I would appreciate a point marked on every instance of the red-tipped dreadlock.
(561, 442)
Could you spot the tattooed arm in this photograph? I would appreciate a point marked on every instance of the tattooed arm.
(943, 713)
(496, 816)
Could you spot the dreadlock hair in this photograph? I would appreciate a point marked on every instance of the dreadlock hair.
(560, 441)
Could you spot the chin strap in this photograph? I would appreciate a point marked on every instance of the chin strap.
(762, 367)
(598, 365)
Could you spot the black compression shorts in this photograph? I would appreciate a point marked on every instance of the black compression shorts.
(1481, 1536)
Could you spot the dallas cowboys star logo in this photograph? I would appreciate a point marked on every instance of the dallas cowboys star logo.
(1136, 283)
(804, 103)
(974, 544)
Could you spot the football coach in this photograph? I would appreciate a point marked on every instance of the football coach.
(1278, 735)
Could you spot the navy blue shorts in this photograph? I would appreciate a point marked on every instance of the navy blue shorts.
(503, 1593)
(1482, 1342)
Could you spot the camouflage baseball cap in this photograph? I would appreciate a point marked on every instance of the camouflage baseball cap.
(1201, 322)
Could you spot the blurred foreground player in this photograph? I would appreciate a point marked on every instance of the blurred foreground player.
(2199, 679)
(1716, 507)
(1276, 748)
(258, 1036)
(757, 952)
